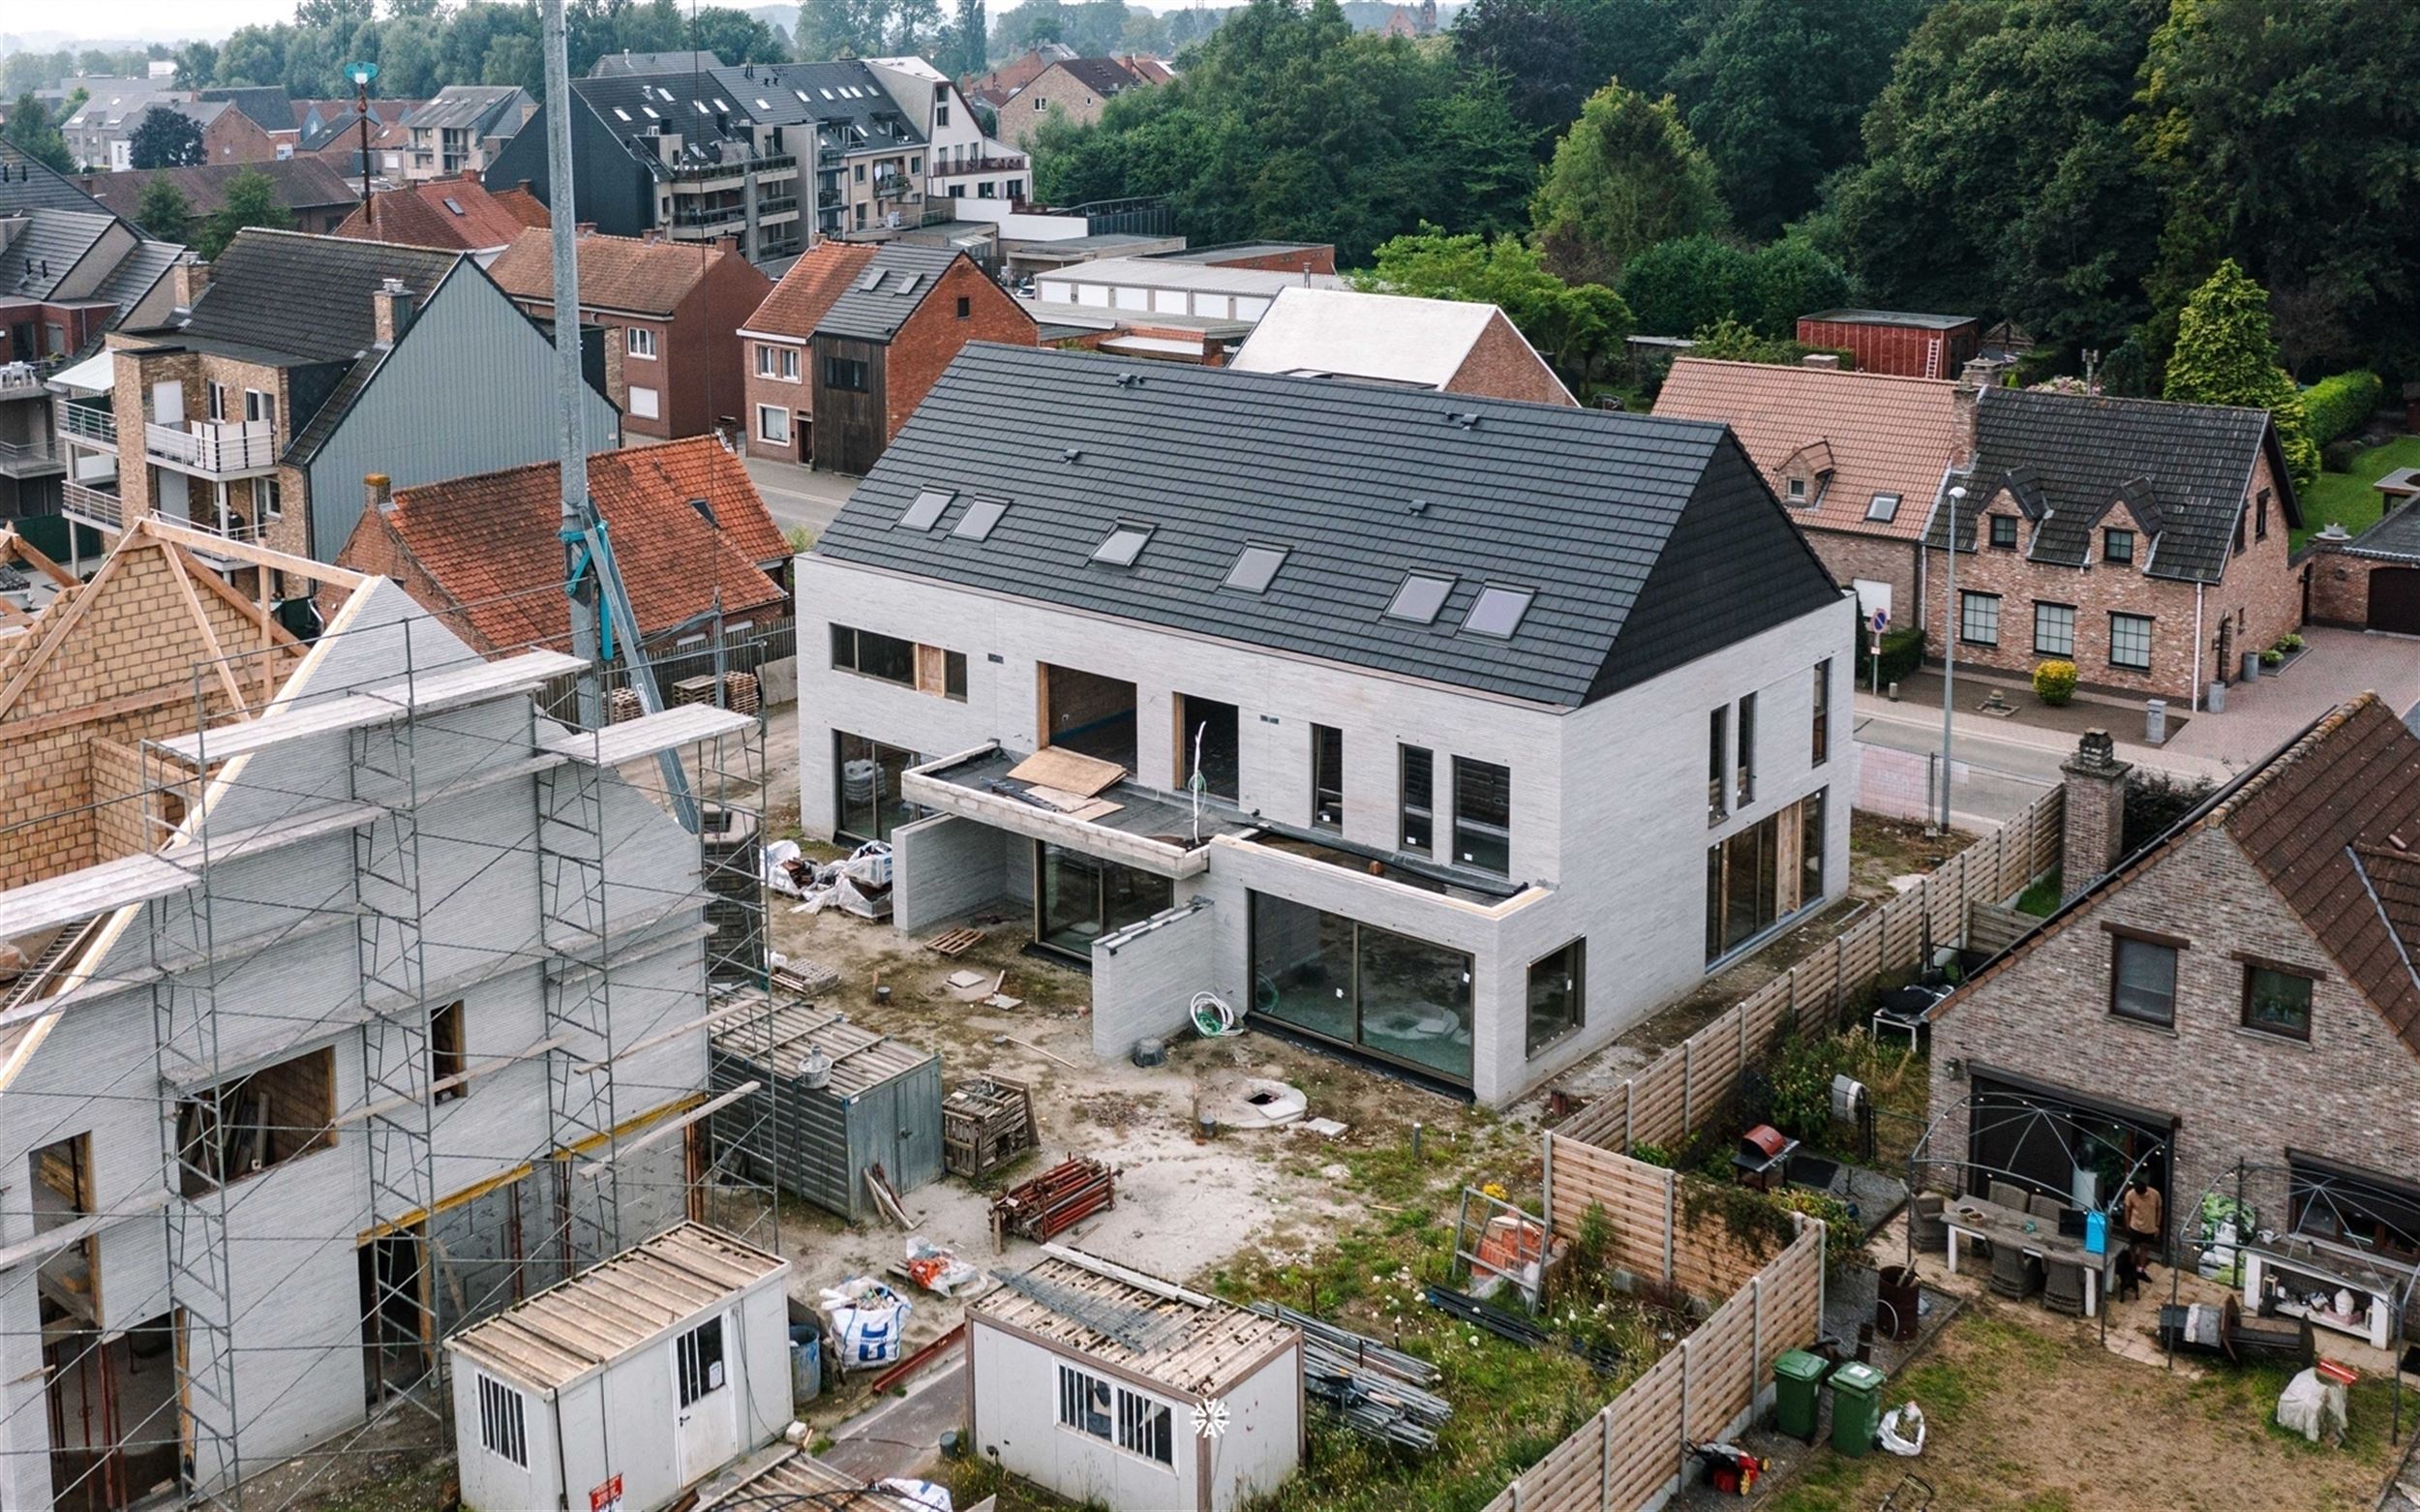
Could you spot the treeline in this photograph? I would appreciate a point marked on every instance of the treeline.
(2077, 166)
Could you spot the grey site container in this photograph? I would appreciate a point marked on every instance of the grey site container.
(879, 1103)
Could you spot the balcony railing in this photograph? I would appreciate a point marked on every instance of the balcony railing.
(891, 185)
(717, 214)
(945, 168)
(776, 205)
(20, 380)
(685, 172)
(94, 506)
(89, 423)
(222, 448)
(19, 458)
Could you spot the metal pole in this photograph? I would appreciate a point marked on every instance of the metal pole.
(571, 441)
(1949, 648)
(369, 206)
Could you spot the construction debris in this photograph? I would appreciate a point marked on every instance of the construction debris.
(1249, 1101)
(955, 943)
(1055, 1201)
(878, 1185)
(940, 1270)
(986, 1123)
(1604, 1359)
(1377, 1391)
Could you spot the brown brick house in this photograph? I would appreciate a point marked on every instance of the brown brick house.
(2238, 992)
(2145, 541)
(1857, 458)
(852, 339)
(678, 305)
(1077, 88)
(458, 214)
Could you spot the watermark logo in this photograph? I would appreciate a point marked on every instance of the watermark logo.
(1210, 1418)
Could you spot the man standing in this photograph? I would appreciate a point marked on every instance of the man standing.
(2143, 1217)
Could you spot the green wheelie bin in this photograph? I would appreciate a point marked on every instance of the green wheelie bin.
(1798, 1383)
(1856, 1408)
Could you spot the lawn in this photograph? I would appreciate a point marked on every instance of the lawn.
(2028, 1414)
(2346, 498)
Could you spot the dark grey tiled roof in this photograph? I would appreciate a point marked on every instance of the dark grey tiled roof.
(270, 108)
(853, 112)
(633, 106)
(306, 296)
(478, 107)
(876, 316)
(49, 247)
(627, 62)
(2178, 471)
(2397, 535)
(25, 185)
(137, 272)
(1648, 542)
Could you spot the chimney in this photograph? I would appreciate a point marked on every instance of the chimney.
(391, 311)
(1829, 361)
(186, 282)
(470, 175)
(379, 492)
(1976, 376)
(2094, 827)
(726, 243)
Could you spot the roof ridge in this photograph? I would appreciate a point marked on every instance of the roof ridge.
(1827, 372)
(2144, 400)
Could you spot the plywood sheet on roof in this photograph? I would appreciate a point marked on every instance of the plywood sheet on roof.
(1069, 771)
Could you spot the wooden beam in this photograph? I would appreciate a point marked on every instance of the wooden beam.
(658, 1134)
(239, 551)
(27, 550)
(706, 1021)
(209, 632)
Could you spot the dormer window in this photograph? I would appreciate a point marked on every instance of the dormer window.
(2003, 532)
(2117, 546)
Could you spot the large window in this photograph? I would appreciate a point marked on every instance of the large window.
(845, 372)
(1978, 618)
(1418, 777)
(869, 775)
(1084, 1401)
(873, 655)
(2054, 629)
(1820, 728)
(2277, 1001)
(699, 1354)
(2344, 1203)
(2143, 980)
(1483, 816)
(1327, 777)
(1079, 899)
(777, 362)
(1406, 1000)
(2129, 642)
(640, 343)
(1090, 1405)
(1762, 873)
(504, 1430)
(1558, 995)
(772, 424)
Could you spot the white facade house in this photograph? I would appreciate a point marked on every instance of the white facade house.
(1496, 755)
(1174, 287)
(960, 162)
(337, 976)
(629, 1382)
(1103, 1386)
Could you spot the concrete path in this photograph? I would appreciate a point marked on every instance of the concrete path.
(2260, 716)
(797, 496)
(902, 1436)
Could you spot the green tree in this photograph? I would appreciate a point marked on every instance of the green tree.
(842, 28)
(1791, 278)
(1626, 176)
(1677, 286)
(1775, 93)
(1578, 327)
(737, 37)
(31, 132)
(250, 200)
(515, 60)
(254, 55)
(197, 65)
(966, 44)
(163, 212)
(165, 139)
(2225, 355)
(1997, 173)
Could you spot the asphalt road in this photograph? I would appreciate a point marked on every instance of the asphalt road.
(795, 496)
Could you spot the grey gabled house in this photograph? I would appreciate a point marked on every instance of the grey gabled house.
(1507, 722)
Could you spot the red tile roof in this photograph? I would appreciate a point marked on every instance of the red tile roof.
(1878, 433)
(489, 544)
(420, 215)
(798, 303)
(616, 272)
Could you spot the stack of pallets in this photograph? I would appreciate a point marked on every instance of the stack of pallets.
(1055, 1201)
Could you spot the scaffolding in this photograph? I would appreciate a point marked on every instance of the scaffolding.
(413, 740)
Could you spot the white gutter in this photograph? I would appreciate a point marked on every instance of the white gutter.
(2197, 680)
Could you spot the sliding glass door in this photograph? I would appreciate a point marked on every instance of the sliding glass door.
(1399, 998)
(1079, 899)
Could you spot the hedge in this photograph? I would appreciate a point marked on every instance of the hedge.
(1902, 652)
(2341, 405)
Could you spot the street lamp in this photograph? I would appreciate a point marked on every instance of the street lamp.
(1949, 648)
(361, 74)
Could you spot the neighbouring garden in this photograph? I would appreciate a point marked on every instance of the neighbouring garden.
(2347, 497)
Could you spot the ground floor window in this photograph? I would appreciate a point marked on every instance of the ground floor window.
(1077, 898)
(1406, 1000)
(2352, 1206)
(1558, 991)
(2129, 642)
(772, 424)
(1758, 874)
(2063, 1145)
(868, 774)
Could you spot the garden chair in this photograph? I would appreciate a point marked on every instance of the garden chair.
(2014, 1272)
(2063, 1287)
(1926, 1229)
(2007, 1194)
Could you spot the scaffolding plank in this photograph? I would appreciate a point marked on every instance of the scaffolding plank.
(426, 694)
(649, 735)
(55, 902)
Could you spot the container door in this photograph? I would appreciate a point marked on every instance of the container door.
(707, 1434)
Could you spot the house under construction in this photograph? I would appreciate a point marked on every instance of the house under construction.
(347, 995)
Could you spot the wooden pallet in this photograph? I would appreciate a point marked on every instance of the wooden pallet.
(955, 943)
(985, 1123)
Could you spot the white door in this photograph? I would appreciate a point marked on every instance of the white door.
(707, 1434)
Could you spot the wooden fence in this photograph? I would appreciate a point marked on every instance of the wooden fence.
(1666, 1103)
(1631, 1455)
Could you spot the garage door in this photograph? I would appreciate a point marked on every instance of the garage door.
(2395, 599)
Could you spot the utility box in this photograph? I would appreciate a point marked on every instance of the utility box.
(1798, 1387)
(1856, 1408)
(628, 1383)
(842, 1101)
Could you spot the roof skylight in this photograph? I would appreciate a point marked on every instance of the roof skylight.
(1123, 544)
(871, 281)
(625, 114)
(1498, 612)
(981, 515)
(922, 514)
(1419, 599)
(907, 284)
(1254, 567)
(1884, 508)
(453, 204)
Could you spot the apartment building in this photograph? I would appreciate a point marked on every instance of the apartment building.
(462, 128)
(961, 160)
(1370, 726)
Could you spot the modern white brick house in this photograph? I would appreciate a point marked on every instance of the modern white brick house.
(1473, 838)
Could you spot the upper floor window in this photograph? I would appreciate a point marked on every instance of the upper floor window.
(940, 115)
(1795, 490)
(845, 372)
(1820, 730)
(2117, 546)
(1327, 777)
(260, 406)
(640, 343)
(1717, 762)
(1745, 759)
(2239, 533)
(2142, 979)
(2277, 1001)
(1483, 816)
(1417, 771)
(966, 307)
(2004, 532)
(2260, 516)
(777, 362)
(927, 669)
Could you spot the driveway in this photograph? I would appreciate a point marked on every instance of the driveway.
(797, 496)
(2261, 716)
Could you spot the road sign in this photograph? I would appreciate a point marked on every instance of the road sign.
(1881, 620)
